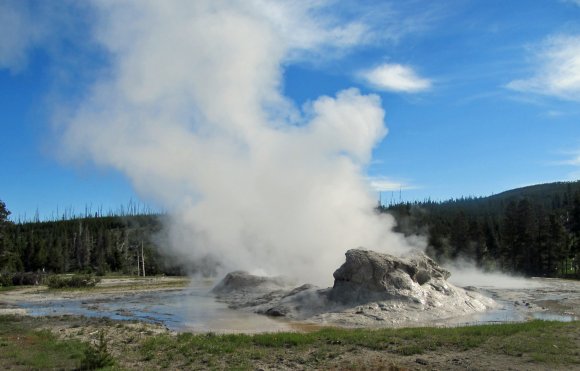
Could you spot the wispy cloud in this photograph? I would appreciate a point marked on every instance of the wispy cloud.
(17, 34)
(58, 28)
(321, 30)
(555, 113)
(572, 160)
(310, 28)
(575, 2)
(397, 78)
(382, 184)
(556, 69)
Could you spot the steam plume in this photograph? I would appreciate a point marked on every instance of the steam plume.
(191, 110)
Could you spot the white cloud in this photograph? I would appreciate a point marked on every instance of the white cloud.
(575, 2)
(573, 160)
(397, 78)
(557, 69)
(58, 28)
(555, 113)
(381, 184)
(310, 27)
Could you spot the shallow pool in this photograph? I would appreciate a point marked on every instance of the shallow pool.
(190, 309)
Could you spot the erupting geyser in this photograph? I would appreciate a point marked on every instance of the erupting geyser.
(370, 289)
(191, 109)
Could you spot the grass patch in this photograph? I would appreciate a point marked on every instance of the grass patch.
(543, 342)
(7, 288)
(75, 281)
(24, 347)
(547, 344)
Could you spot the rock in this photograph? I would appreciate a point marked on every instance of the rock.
(371, 276)
(240, 281)
(299, 289)
(243, 290)
(276, 312)
(422, 361)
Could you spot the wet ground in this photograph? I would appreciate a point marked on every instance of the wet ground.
(191, 308)
(188, 308)
(527, 299)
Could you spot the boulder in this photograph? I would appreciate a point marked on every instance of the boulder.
(240, 281)
(241, 289)
(370, 276)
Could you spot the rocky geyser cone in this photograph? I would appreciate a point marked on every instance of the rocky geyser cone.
(370, 276)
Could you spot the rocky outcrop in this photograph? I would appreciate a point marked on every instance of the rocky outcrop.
(241, 289)
(244, 282)
(371, 276)
(370, 289)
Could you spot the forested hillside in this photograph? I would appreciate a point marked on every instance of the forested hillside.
(121, 244)
(533, 230)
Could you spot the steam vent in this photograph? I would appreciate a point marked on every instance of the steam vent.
(370, 289)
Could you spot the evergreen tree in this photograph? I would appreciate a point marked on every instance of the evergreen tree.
(509, 242)
(459, 234)
(556, 246)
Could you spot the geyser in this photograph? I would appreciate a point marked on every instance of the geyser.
(370, 289)
(191, 110)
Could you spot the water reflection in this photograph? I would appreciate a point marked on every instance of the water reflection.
(190, 309)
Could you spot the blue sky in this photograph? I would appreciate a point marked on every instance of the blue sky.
(479, 96)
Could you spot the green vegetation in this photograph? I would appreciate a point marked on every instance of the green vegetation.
(97, 357)
(74, 281)
(99, 245)
(533, 230)
(118, 346)
(24, 347)
(544, 342)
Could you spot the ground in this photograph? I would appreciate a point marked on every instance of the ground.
(137, 345)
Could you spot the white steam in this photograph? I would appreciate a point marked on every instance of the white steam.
(465, 273)
(191, 111)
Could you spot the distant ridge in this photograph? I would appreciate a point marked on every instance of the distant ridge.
(539, 191)
(548, 195)
(533, 230)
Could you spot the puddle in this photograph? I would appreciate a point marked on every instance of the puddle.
(506, 314)
(192, 309)
(538, 298)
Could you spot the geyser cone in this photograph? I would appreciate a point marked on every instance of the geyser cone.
(370, 289)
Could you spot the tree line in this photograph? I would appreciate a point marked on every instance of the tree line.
(100, 244)
(533, 230)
